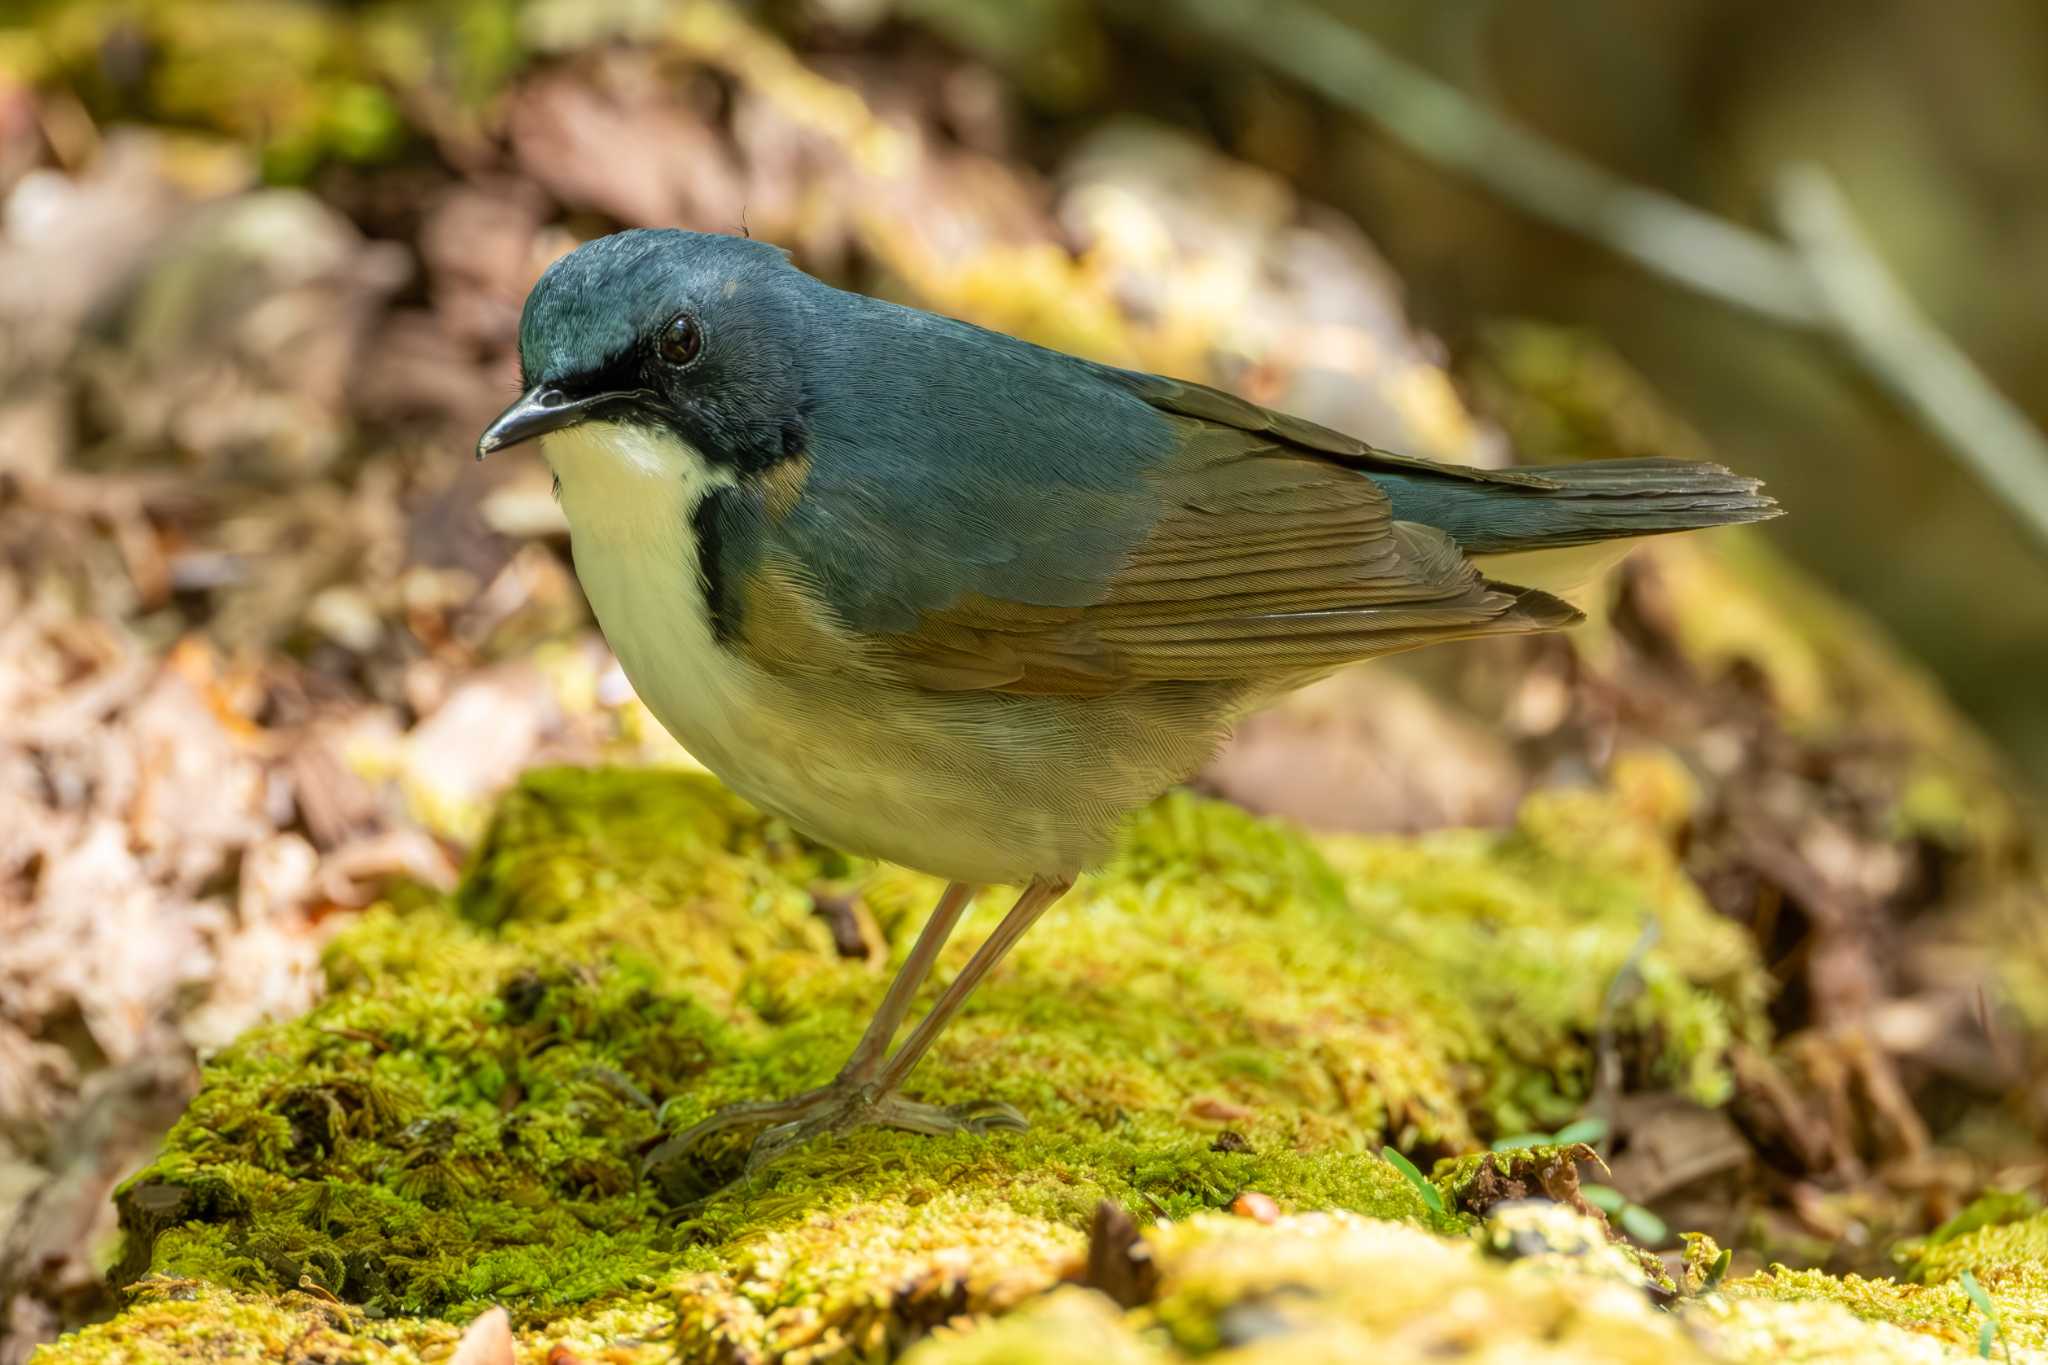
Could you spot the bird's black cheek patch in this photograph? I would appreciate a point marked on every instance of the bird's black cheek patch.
(708, 522)
(752, 448)
(739, 428)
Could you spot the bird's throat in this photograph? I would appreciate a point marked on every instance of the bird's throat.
(637, 500)
(621, 479)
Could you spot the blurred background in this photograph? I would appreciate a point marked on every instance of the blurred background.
(1929, 118)
(269, 639)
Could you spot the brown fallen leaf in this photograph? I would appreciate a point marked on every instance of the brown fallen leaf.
(1368, 750)
(351, 874)
(482, 735)
(567, 133)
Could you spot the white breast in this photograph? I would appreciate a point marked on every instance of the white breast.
(847, 768)
(630, 494)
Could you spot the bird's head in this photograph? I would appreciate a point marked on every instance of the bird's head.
(698, 335)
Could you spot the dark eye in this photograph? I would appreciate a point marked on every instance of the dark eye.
(681, 340)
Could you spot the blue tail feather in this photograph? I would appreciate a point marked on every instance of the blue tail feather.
(1595, 501)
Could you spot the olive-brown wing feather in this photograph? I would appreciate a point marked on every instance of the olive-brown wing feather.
(1265, 566)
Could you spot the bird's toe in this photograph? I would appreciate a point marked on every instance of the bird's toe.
(682, 1165)
(990, 1116)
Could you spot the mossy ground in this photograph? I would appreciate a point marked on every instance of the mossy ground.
(459, 1124)
(1332, 1287)
(1541, 1285)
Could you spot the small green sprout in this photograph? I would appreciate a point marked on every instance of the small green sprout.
(1520, 1141)
(1430, 1195)
(1588, 1131)
(1991, 1330)
(1637, 1221)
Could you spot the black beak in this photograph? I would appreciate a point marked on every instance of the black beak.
(542, 410)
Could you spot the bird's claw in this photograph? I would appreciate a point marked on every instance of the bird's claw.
(979, 1117)
(840, 1106)
(982, 1117)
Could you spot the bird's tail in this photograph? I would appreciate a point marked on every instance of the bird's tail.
(1562, 537)
(1585, 503)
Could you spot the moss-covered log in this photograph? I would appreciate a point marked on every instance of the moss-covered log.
(1231, 1007)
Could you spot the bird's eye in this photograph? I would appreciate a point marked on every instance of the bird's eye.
(681, 340)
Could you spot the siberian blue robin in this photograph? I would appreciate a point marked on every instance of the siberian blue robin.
(936, 595)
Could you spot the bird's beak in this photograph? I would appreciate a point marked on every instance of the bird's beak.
(543, 409)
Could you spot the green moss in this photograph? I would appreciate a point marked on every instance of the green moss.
(2002, 1241)
(460, 1122)
(1995, 1208)
(299, 83)
(1940, 1313)
(1579, 914)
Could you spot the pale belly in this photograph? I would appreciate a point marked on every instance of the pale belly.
(972, 789)
(975, 787)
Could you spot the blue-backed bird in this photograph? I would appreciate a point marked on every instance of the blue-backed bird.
(939, 596)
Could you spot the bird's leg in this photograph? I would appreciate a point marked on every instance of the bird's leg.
(877, 1102)
(864, 1090)
(924, 955)
(867, 1054)
(1037, 898)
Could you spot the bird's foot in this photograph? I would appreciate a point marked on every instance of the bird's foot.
(890, 1111)
(839, 1107)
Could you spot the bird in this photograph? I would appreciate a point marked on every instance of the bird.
(939, 596)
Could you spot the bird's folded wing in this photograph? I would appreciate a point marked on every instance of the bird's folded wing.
(998, 517)
(1214, 406)
(1264, 564)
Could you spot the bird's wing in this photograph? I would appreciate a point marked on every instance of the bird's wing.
(1263, 565)
(1066, 528)
(1214, 406)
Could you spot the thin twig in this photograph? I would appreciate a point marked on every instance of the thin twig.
(1927, 373)
(1437, 122)
(1827, 281)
